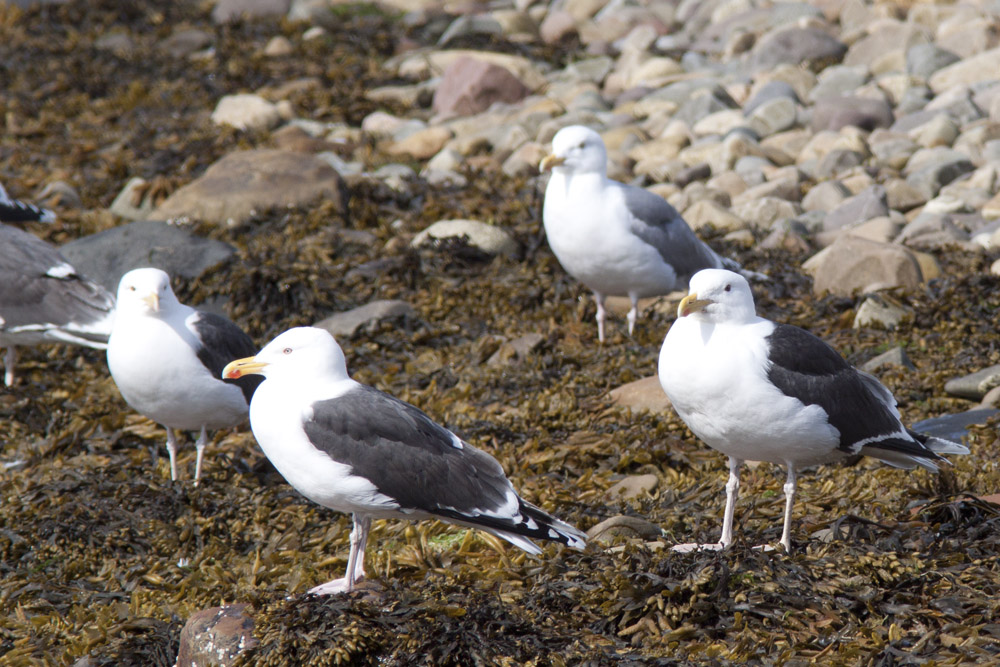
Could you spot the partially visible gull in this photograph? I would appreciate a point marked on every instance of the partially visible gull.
(167, 360)
(13, 210)
(44, 300)
(759, 391)
(617, 239)
(352, 448)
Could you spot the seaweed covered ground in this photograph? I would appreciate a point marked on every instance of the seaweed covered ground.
(101, 556)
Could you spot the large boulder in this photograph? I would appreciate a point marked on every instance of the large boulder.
(853, 264)
(243, 182)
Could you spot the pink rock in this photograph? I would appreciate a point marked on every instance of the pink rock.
(469, 86)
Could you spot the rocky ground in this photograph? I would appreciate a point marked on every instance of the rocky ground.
(843, 148)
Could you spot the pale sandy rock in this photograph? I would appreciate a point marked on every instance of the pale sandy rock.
(777, 188)
(420, 145)
(382, 124)
(720, 122)
(524, 160)
(345, 324)
(901, 196)
(991, 209)
(995, 268)
(882, 229)
(235, 186)
(653, 72)
(515, 24)
(790, 142)
(799, 78)
(278, 47)
(981, 67)
(645, 394)
(729, 182)
(581, 10)
(940, 130)
(246, 111)
(774, 116)
(130, 204)
(556, 26)
(763, 213)
(883, 37)
(880, 312)
(488, 238)
(633, 486)
(969, 36)
(825, 196)
(853, 264)
(705, 212)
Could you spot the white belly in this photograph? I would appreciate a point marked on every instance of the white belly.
(720, 389)
(166, 382)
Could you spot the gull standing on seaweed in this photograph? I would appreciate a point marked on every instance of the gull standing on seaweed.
(617, 239)
(759, 391)
(44, 300)
(167, 360)
(353, 448)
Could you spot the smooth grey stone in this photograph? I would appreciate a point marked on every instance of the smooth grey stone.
(895, 357)
(975, 385)
(106, 256)
(796, 46)
(877, 312)
(954, 427)
(924, 59)
(349, 322)
(834, 113)
(771, 90)
(869, 203)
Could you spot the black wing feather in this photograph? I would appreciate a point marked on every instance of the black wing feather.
(807, 368)
(222, 342)
(406, 455)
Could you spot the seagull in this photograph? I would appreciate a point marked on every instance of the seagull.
(44, 300)
(187, 393)
(353, 448)
(617, 239)
(760, 391)
(13, 210)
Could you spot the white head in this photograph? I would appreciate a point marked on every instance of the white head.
(145, 292)
(717, 296)
(577, 150)
(296, 355)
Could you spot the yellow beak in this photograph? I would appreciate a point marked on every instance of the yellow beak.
(692, 304)
(240, 367)
(550, 161)
(153, 301)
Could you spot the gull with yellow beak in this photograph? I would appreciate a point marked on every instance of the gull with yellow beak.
(617, 239)
(760, 391)
(167, 360)
(353, 448)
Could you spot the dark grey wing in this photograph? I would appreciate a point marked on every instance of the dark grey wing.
(39, 290)
(423, 466)
(405, 454)
(659, 224)
(857, 405)
(222, 342)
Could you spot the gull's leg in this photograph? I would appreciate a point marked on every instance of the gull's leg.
(9, 359)
(633, 313)
(200, 446)
(732, 491)
(599, 300)
(355, 561)
(172, 452)
(786, 533)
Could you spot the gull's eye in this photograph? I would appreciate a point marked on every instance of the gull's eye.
(583, 144)
(729, 288)
(131, 288)
(287, 350)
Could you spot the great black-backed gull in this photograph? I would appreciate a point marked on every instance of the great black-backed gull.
(355, 449)
(167, 360)
(44, 300)
(759, 391)
(617, 239)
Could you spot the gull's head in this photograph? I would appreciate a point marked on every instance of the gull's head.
(576, 150)
(717, 295)
(296, 355)
(145, 292)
